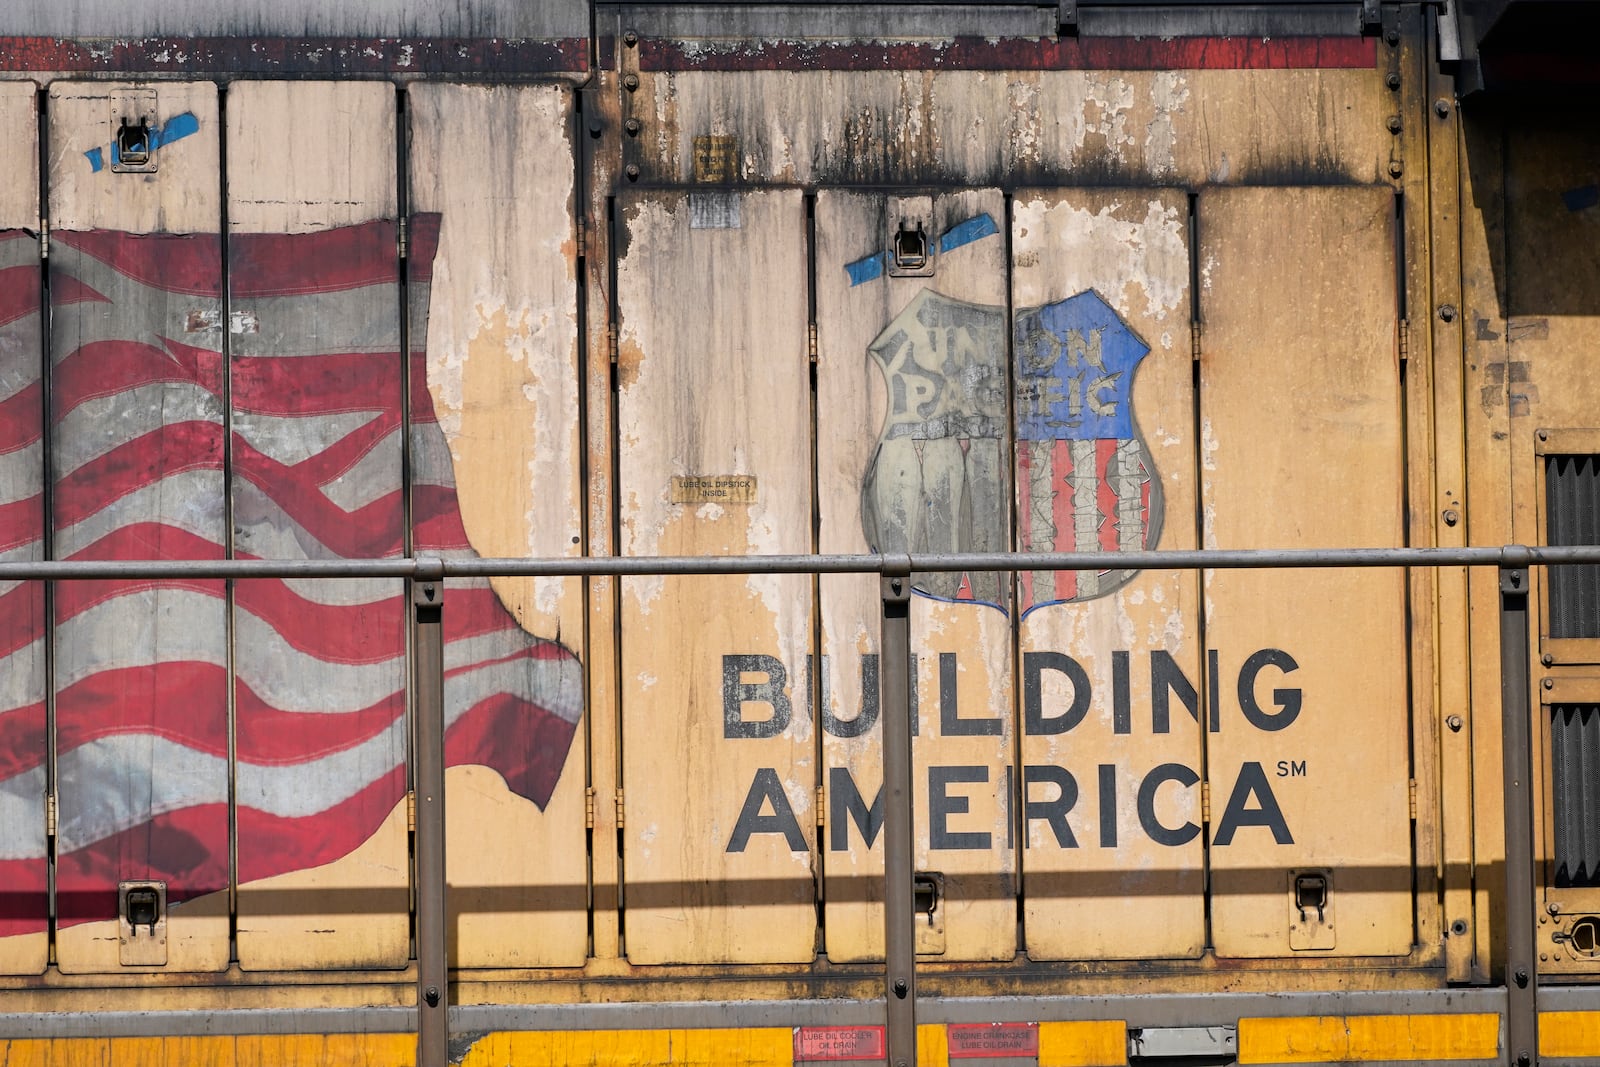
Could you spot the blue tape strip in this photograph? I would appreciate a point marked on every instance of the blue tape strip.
(1585, 196)
(176, 129)
(962, 233)
(864, 270)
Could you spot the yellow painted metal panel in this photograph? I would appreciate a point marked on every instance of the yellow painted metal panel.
(719, 760)
(1083, 1044)
(1569, 1033)
(128, 808)
(502, 372)
(896, 355)
(1361, 1038)
(772, 1047)
(1301, 447)
(1111, 788)
(310, 158)
(24, 937)
(300, 1050)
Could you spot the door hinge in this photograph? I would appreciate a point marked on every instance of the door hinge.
(583, 236)
(611, 342)
(588, 808)
(50, 814)
(1411, 794)
(1205, 802)
(44, 238)
(1405, 340)
(1194, 341)
(411, 812)
(402, 236)
(811, 341)
(620, 810)
(822, 818)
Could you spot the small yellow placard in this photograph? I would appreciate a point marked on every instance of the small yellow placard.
(714, 489)
(716, 158)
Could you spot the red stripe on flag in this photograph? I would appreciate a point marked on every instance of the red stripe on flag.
(106, 368)
(144, 700)
(1025, 517)
(308, 386)
(1062, 492)
(290, 264)
(187, 849)
(21, 522)
(186, 264)
(270, 845)
(270, 737)
(19, 293)
(22, 736)
(340, 633)
(144, 461)
(23, 904)
(21, 418)
(21, 616)
(1105, 453)
(67, 290)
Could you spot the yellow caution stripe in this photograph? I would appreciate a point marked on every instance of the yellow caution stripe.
(1362, 1038)
(1310, 1039)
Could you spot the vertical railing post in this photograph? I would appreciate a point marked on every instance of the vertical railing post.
(1516, 688)
(899, 918)
(433, 989)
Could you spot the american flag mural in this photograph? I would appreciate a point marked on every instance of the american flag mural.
(139, 411)
(22, 659)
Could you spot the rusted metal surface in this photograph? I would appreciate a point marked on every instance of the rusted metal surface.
(287, 56)
(1016, 53)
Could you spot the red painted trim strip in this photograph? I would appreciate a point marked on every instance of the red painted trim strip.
(980, 53)
(297, 55)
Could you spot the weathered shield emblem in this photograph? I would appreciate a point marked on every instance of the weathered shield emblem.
(936, 481)
(1084, 475)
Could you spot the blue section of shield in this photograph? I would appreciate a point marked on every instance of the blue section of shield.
(867, 268)
(1075, 365)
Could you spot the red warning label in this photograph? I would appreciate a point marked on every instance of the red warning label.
(973, 1040)
(833, 1043)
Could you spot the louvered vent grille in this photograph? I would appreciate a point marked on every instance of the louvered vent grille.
(1572, 500)
(1575, 777)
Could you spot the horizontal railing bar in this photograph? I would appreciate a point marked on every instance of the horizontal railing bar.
(428, 568)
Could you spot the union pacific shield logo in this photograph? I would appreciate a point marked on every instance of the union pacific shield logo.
(936, 481)
(1084, 476)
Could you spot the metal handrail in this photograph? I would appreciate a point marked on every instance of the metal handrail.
(428, 573)
(432, 567)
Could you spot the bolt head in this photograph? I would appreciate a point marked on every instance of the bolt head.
(1447, 312)
(1553, 908)
(630, 38)
(1547, 659)
(633, 126)
(1454, 722)
(1441, 107)
(1392, 81)
(632, 171)
(1394, 123)
(1393, 37)
(1549, 683)
(1396, 168)
(630, 82)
